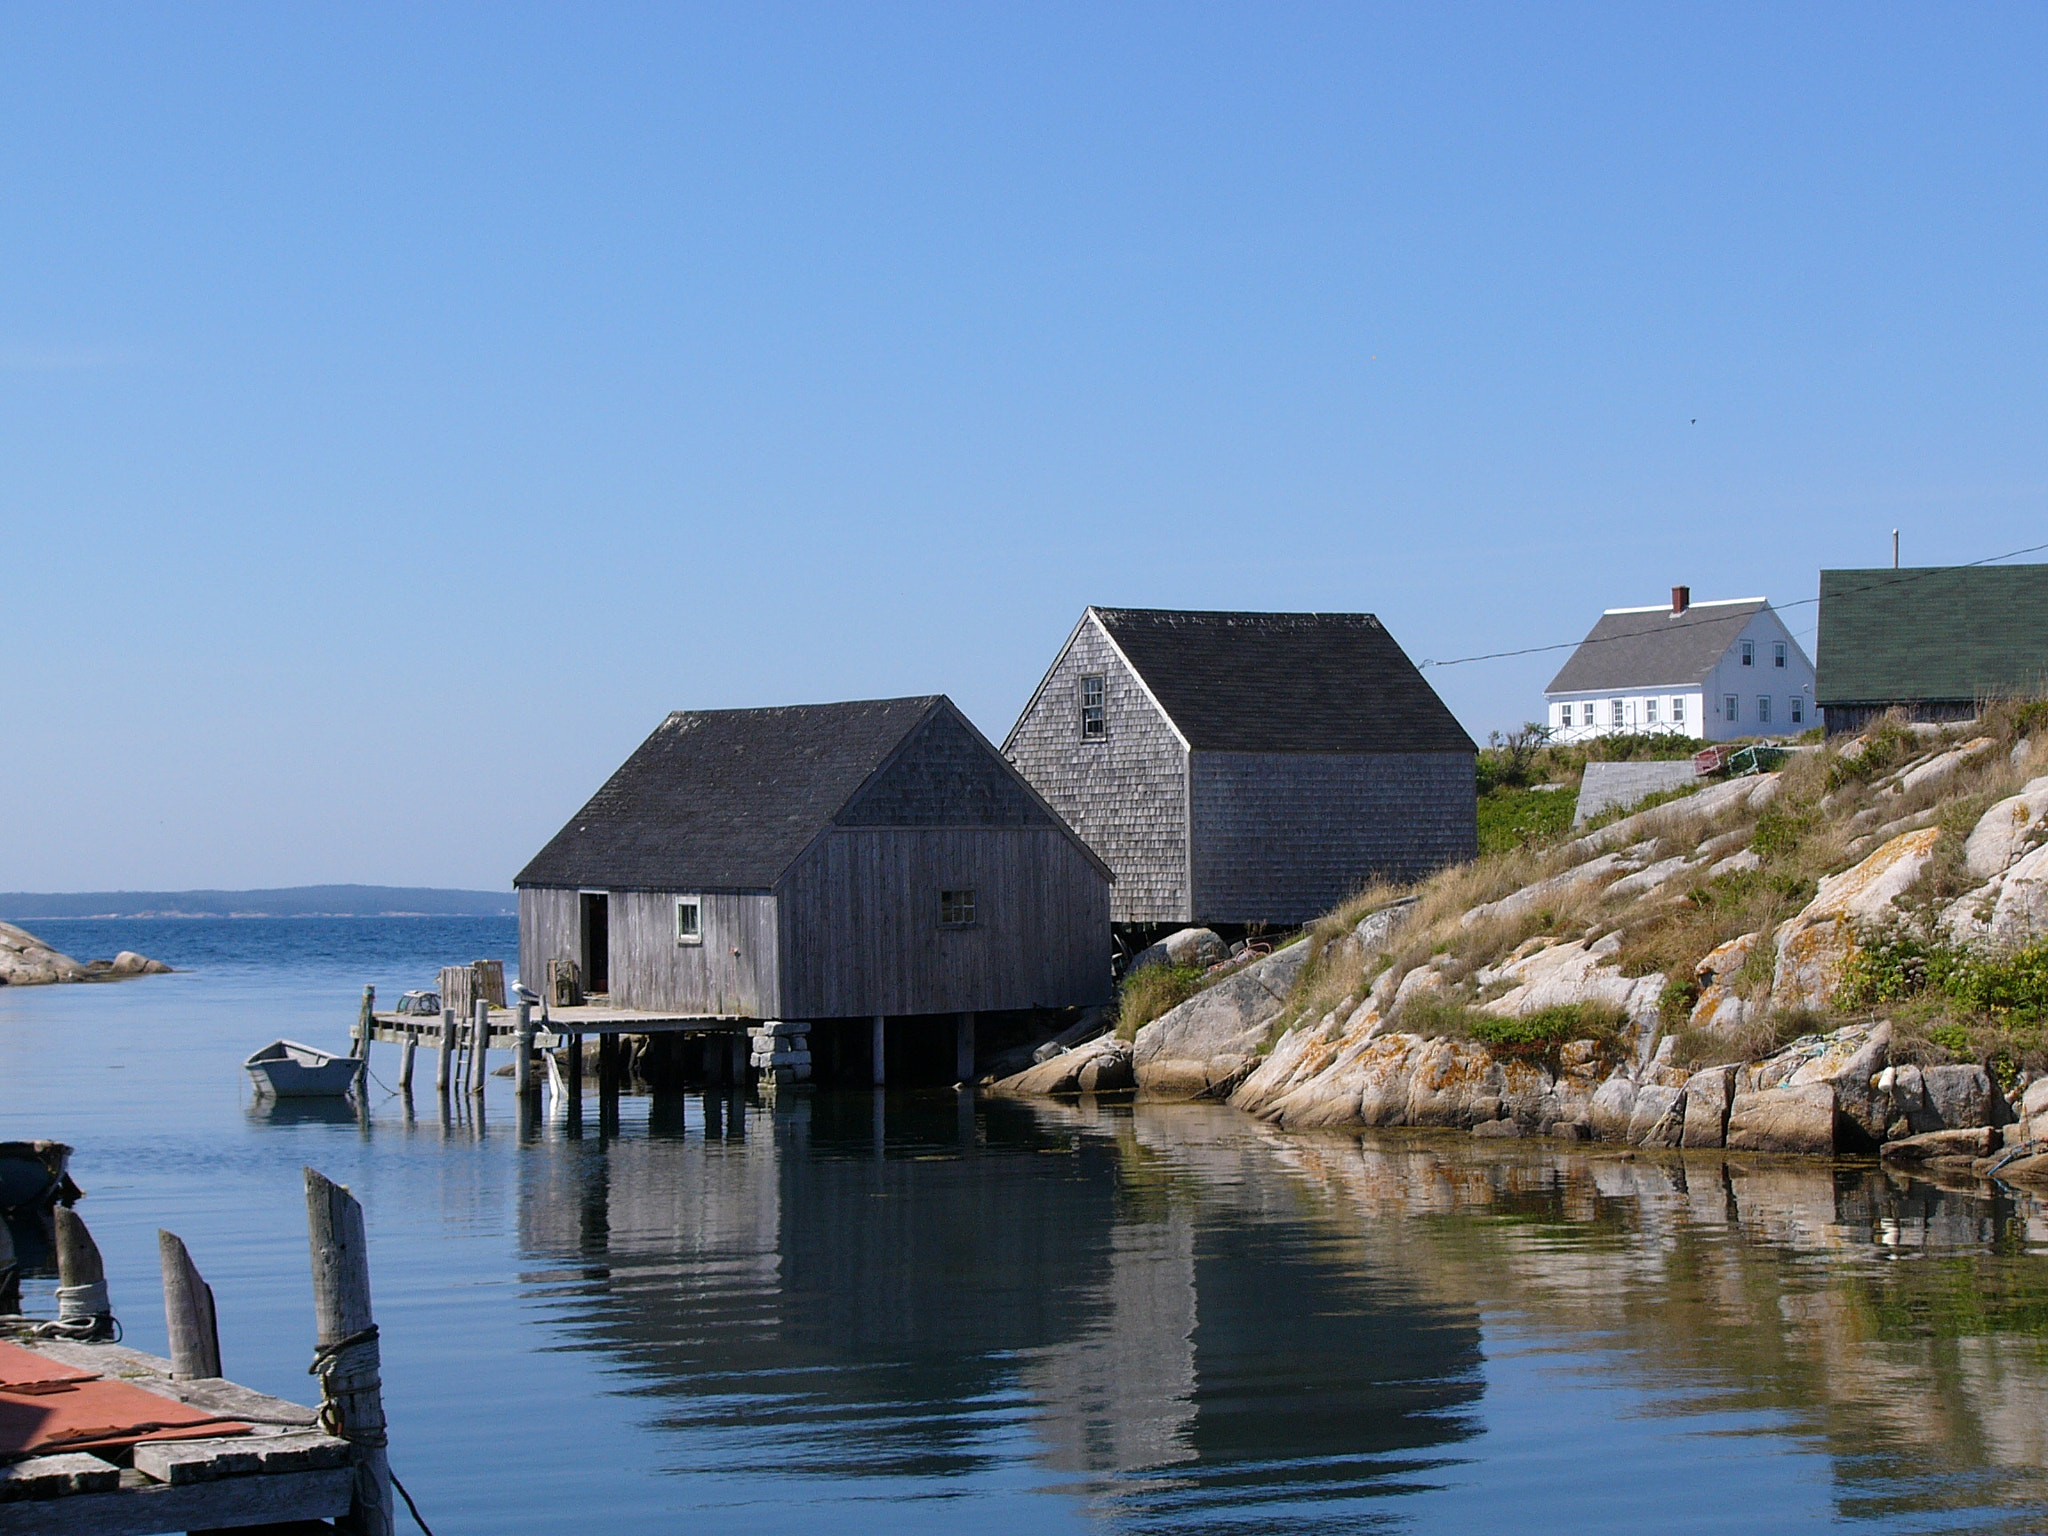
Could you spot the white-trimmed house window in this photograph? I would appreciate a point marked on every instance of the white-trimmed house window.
(689, 919)
(956, 907)
(1649, 711)
(1094, 715)
(1564, 715)
(1777, 653)
(1620, 713)
(1763, 709)
(1678, 709)
(1731, 709)
(1798, 711)
(1749, 653)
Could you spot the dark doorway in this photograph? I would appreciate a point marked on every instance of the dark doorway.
(597, 942)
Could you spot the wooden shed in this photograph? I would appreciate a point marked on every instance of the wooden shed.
(821, 861)
(1239, 769)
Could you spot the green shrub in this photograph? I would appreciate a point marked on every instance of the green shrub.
(1892, 965)
(1515, 818)
(1148, 993)
(1540, 1035)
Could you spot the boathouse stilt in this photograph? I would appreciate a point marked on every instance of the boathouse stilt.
(405, 1056)
(350, 1368)
(480, 1047)
(737, 1050)
(881, 1050)
(445, 1062)
(188, 1312)
(963, 1050)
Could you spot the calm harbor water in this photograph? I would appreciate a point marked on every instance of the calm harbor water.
(843, 1313)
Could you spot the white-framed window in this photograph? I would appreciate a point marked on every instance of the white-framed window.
(1749, 653)
(1763, 709)
(1678, 709)
(1798, 710)
(1649, 711)
(1564, 715)
(689, 919)
(1778, 653)
(1094, 711)
(1731, 709)
(956, 907)
(1620, 713)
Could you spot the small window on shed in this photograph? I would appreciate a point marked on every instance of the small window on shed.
(1678, 709)
(1798, 710)
(1763, 709)
(1564, 714)
(1749, 653)
(1731, 708)
(1620, 716)
(689, 920)
(1094, 717)
(1649, 711)
(1777, 653)
(956, 908)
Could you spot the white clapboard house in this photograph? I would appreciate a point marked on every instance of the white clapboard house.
(1710, 670)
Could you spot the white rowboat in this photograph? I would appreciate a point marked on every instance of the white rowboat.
(285, 1069)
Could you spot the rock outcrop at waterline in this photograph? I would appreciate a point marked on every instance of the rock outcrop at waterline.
(26, 961)
(1638, 984)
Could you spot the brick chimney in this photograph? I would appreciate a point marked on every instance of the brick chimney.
(1681, 599)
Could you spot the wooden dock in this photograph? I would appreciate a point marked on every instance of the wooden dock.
(560, 1024)
(283, 1468)
(100, 1440)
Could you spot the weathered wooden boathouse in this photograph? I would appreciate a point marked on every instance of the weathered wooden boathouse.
(853, 863)
(1238, 769)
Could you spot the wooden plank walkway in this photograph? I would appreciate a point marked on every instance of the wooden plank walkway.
(397, 1028)
(284, 1469)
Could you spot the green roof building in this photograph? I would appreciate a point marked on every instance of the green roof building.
(1937, 642)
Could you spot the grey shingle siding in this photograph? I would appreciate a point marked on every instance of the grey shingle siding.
(1283, 837)
(944, 776)
(1125, 795)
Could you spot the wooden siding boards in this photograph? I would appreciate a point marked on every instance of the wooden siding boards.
(849, 926)
(1281, 838)
(1126, 795)
(860, 931)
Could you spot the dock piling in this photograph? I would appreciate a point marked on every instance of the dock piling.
(447, 1057)
(881, 1050)
(480, 1047)
(83, 1308)
(366, 1029)
(346, 1358)
(963, 1050)
(522, 1052)
(189, 1316)
(405, 1055)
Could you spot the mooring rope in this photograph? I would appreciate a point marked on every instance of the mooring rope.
(83, 1312)
(327, 1359)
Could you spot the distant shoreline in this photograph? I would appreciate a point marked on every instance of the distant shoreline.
(310, 901)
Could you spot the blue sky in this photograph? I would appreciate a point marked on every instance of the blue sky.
(401, 408)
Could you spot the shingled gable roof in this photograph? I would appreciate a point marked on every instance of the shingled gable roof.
(1936, 633)
(1283, 682)
(726, 799)
(1654, 648)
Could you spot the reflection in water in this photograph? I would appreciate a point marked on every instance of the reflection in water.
(1190, 1320)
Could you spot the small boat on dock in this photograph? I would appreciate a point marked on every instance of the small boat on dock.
(285, 1069)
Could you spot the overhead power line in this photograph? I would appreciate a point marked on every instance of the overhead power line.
(1900, 580)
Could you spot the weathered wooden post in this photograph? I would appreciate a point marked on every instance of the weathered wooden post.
(345, 1357)
(522, 1052)
(447, 1058)
(405, 1055)
(366, 1028)
(576, 1075)
(963, 1051)
(480, 1046)
(881, 1042)
(83, 1308)
(188, 1311)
